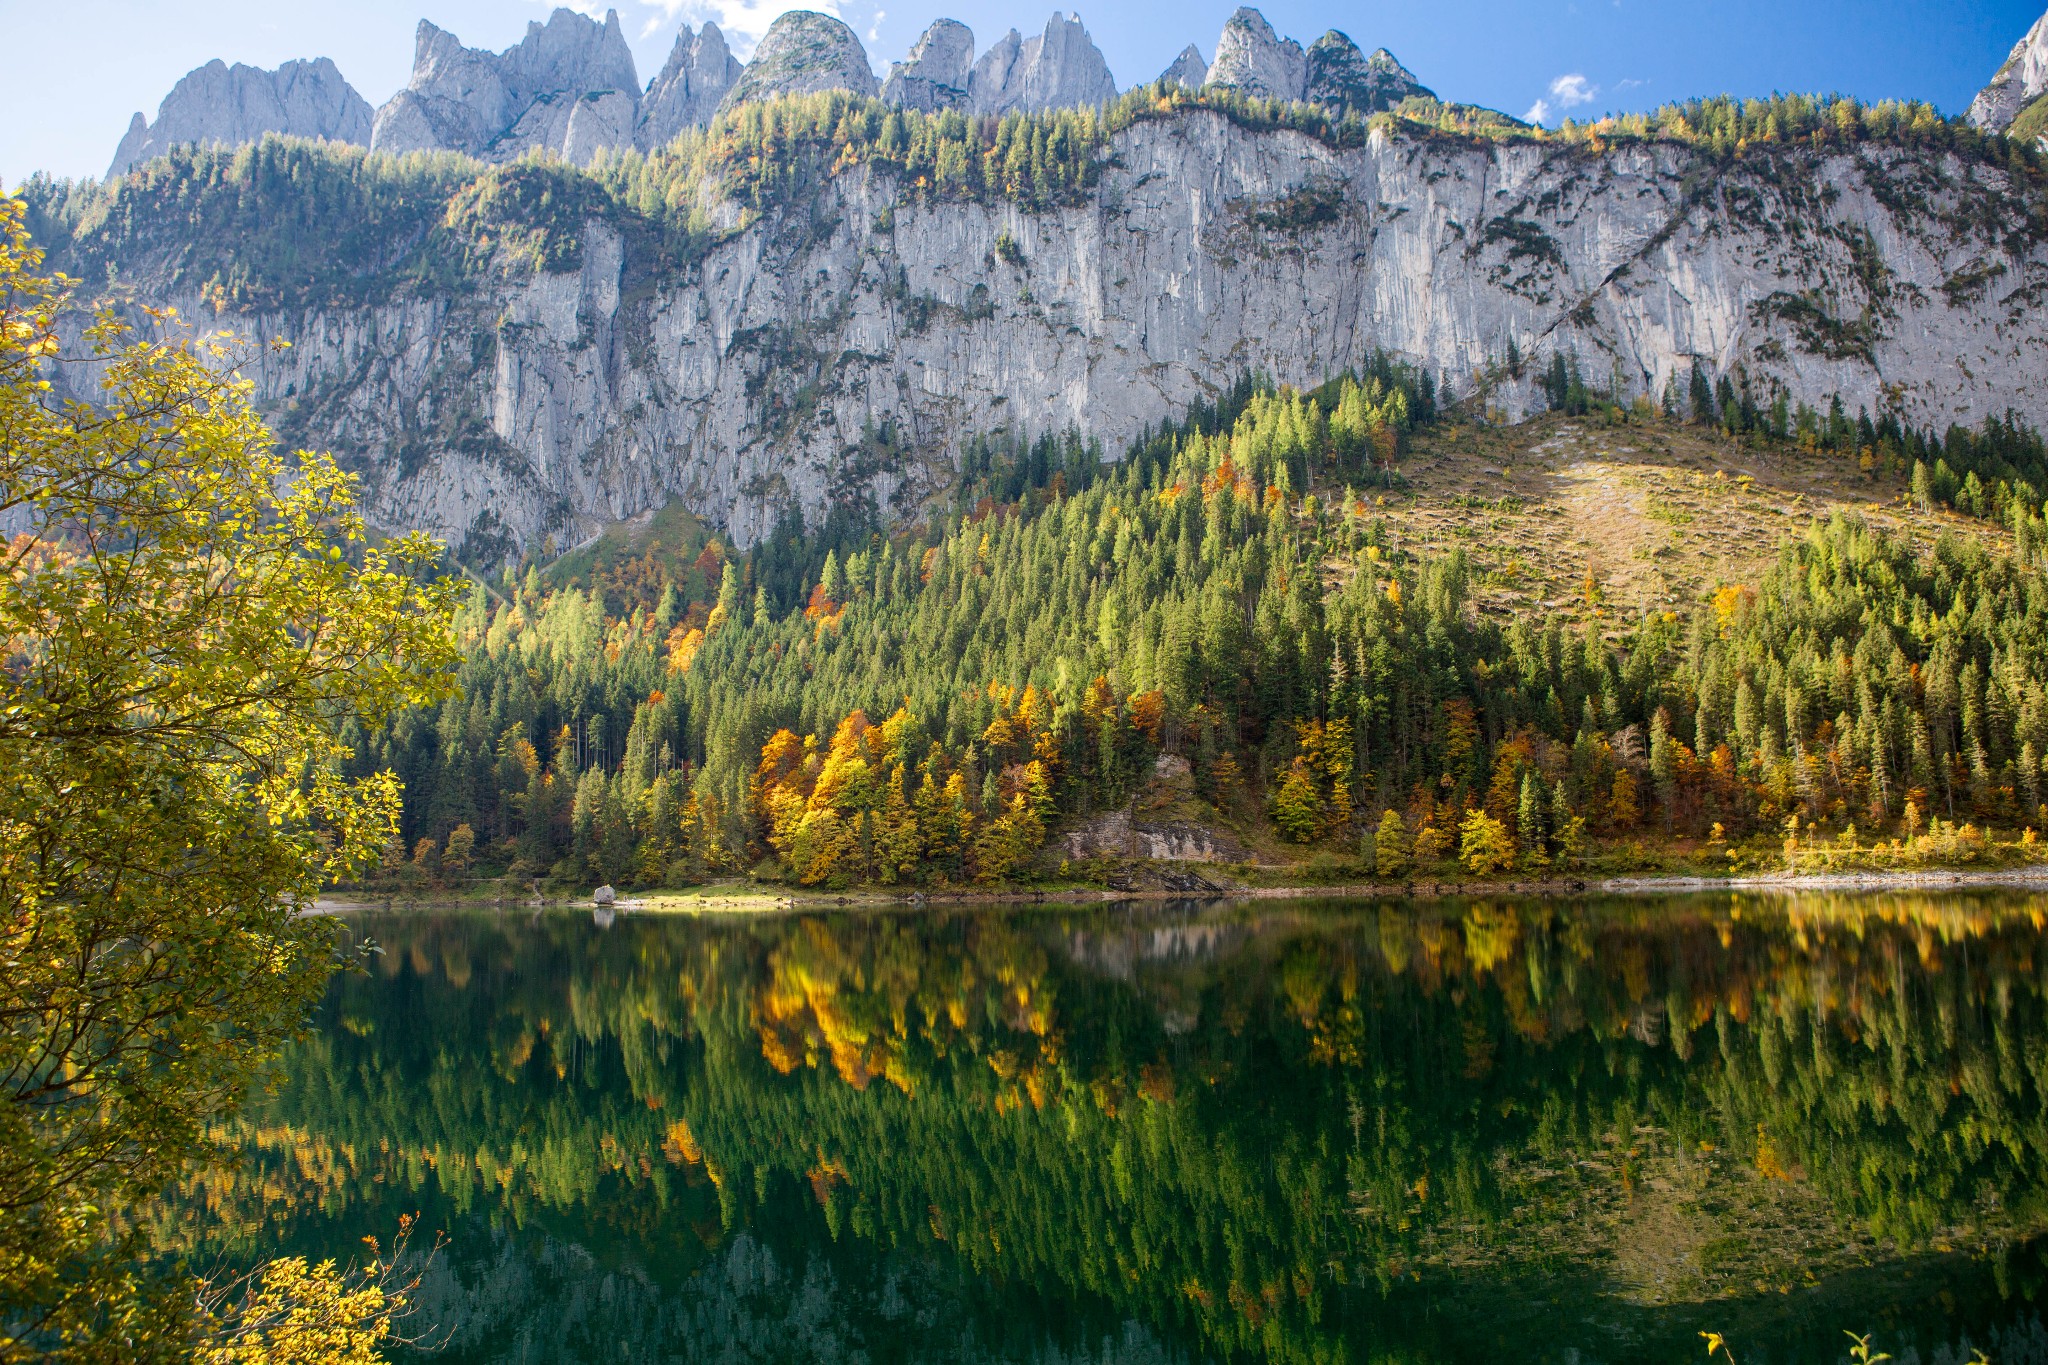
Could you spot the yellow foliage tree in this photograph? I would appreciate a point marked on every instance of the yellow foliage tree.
(1484, 844)
(191, 618)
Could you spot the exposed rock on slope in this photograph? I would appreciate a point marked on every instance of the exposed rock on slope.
(235, 104)
(2019, 87)
(568, 87)
(1188, 69)
(802, 53)
(934, 76)
(1341, 77)
(832, 350)
(1057, 69)
(687, 91)
(1251, 58)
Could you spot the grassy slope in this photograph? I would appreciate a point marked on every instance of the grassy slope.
(1657, 515)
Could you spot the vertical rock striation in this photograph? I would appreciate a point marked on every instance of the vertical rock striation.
(1254, 60)
(2019, 87)
(568, 87)
(689, 88)
(1060, 68)
(934, 76)
(525, 404)
(231, 105)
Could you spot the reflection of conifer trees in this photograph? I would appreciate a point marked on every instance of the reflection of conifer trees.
(1254, 1136)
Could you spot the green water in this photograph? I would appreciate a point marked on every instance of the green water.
(1341, 1131)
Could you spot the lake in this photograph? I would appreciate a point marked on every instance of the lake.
(1449, 1131)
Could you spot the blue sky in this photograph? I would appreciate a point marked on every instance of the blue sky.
(78, 69)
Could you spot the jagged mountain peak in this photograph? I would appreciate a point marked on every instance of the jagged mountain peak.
(1060, 68)
(936, 73)
(1341, 77)
(568, 86)
(218, 103)
(689, 87)
(1187, 69)
(802, 53)
(2018, 93)
(1252, 58)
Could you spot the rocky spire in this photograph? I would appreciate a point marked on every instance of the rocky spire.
(699, 71)
(934, 76)
(1253, 59)
(804, 52)
(1188, 69)
(2019, 85)
(231, 105)
(1342, 78)
(1058, 69)
(568, 86)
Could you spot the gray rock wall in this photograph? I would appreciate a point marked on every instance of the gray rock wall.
(232, 105)
(568, 87)
(934, 76)
(804, 53)
(848, 352)
(688, 89)
(1251, 58)
(1057, 69)
(2022, 80)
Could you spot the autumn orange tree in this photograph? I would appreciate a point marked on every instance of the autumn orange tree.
(189, 620)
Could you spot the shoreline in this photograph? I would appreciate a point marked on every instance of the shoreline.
(735, 901)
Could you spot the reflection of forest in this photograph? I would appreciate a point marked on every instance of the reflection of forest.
(1335, 1132)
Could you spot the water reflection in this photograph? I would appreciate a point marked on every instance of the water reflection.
(1327, 1132)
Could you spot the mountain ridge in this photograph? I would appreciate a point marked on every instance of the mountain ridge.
(840, 341)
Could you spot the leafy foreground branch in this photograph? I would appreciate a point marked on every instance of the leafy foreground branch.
(187, 619)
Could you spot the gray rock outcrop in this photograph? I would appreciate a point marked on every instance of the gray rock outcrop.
(754, 377)
(804, 53)
(231, 105)
(1254, 60)
(1060, 68)
(2019, 83)
(1188, 69)
(1343, 78)
(688, 89)
(568, 87)
(934, 76)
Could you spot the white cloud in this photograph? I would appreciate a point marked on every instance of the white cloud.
(875, 29)
(1566, 92)
(1572, 91)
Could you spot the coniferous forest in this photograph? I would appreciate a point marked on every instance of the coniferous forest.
(1223, 617)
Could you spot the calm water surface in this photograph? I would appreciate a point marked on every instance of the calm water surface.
(1346, 1131)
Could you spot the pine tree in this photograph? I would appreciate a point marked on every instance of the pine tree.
(1529, 821)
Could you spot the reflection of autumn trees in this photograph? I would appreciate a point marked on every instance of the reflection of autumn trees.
(1246, 1130)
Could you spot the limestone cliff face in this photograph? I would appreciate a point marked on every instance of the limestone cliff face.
(933, 78)
(1252, 58)
(687, 90)
(568, 87)
(1060, 68)
(225, 104)
(2021, 81)
(1187, 69)
(803, 53)
(848, 349)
